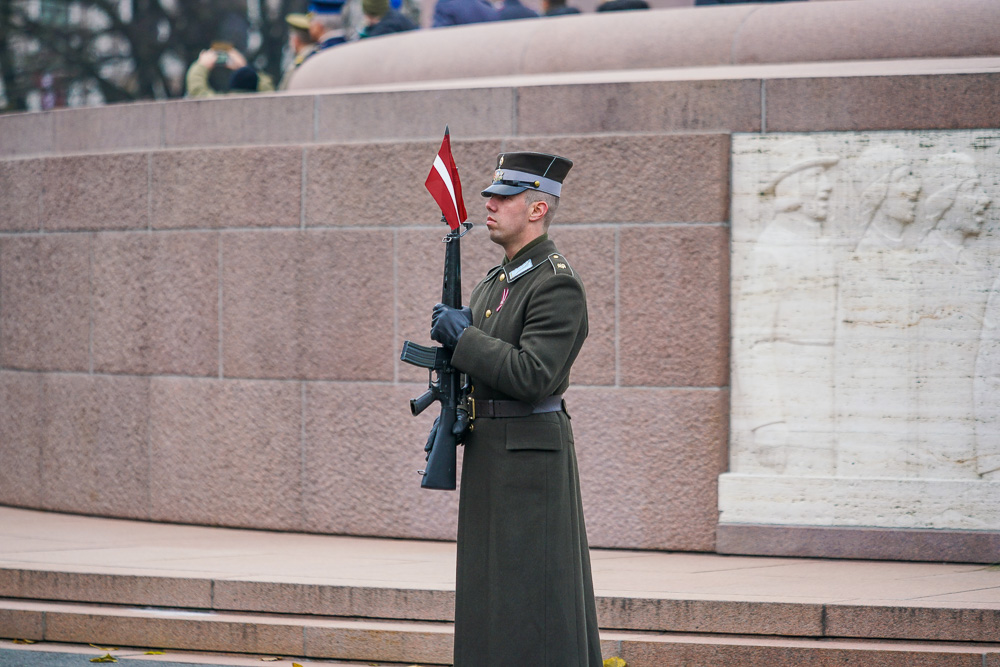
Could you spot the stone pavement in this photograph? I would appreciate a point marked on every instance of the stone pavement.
(53, 566)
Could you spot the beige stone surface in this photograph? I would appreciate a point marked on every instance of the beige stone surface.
(44, 292)
(20, 195)
(225, 188)
(156, 303)
(22, 438)
(26, 134)
(662, 468)
(116, 127)
(732, 105)
(417, 114)
(95, 192)
(694, 36)
(674, 306)
(874, 103)
(95, 441)
(225, 450)
(307, 304)
(361, 453)
(238, 119)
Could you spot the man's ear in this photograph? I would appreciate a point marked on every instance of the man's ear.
(537, 210)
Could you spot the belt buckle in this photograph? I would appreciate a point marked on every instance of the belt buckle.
(470, 408)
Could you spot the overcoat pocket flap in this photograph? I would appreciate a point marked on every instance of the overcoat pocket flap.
(527, 433)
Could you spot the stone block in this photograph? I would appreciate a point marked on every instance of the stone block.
(383, 184)
(260, 119)
(383, 642)
(196, 631)
(415, 114)
(26, 134)
(156, 303)
(21, 195)
(714, 617)
(226, 187)
(674, 310)
(657, 453)
(226, 452)
(96, 457)
(106, 588)
(308, 304)
(96, 192)
(823, 31)
(689, 651)
(21, 440)
(114, 127)
(642, 106)
(928, 623)
(361, 455)
(945, 101)
(45, 292)
(22, 624)
(324, 600)
(683, 177)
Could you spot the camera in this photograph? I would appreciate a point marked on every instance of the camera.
(221, 52)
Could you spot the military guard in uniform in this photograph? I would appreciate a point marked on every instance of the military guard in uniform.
(524, 593)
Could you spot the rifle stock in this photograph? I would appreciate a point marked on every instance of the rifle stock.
(447, 389)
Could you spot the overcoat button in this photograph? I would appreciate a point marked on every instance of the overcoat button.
(488, 313)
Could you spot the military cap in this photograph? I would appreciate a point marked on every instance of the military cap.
(517, 172)
(300, 21)
(326, 6)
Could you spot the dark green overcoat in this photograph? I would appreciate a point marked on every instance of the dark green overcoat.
(524, 593)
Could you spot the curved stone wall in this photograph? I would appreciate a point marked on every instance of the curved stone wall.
(202, 302)
(749, 34)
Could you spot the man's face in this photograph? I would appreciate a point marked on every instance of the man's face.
(814, 189)
(901, 199)
(507, 220)
(970, 206)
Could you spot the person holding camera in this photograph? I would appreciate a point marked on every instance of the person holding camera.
(242, 79)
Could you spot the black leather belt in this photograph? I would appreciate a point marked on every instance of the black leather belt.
(499, 409)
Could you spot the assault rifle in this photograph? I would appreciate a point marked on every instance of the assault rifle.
(448, 388)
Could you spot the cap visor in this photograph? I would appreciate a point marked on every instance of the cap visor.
(502, 189)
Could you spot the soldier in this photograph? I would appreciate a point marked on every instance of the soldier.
(524, 593)
(301, 42)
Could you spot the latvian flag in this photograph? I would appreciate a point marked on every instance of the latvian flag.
(445, 186)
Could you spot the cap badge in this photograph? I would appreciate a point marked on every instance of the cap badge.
(500, 163)
(497, 175)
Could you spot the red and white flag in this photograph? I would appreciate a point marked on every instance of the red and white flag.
(445, 186)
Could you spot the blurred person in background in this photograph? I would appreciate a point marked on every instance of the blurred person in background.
(221, 57)
(301, 43)
(326, 23)
(382, 19)
(509, 10)
(462, 12)
(557, 8)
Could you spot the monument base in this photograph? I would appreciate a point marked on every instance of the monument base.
(948, 546)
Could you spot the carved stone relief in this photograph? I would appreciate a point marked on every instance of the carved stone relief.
(866, 330)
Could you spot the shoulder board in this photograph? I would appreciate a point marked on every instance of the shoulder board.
(560, 264)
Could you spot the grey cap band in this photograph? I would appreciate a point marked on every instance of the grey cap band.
(511, 182)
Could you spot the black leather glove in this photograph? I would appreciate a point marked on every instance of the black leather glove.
(448, 324)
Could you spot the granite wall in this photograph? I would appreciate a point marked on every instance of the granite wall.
(202, 302)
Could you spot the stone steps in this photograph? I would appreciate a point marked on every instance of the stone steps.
(423, 642)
